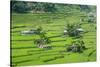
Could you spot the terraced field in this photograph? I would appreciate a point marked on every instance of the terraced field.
(25, 52)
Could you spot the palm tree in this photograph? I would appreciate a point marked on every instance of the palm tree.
(43, 40)
(72, 29)
(77, 46)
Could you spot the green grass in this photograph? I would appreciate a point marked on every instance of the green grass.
(20, 49)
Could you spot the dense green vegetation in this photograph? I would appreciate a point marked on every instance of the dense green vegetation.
(24, 6)
(51, 25)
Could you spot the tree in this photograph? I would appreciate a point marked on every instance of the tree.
(72, 29)
(77, 46)
(22, 6)
(85, 8)
(43, 40)
(49, 7)
(19, 6)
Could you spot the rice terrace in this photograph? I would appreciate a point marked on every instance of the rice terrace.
(52, 33)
